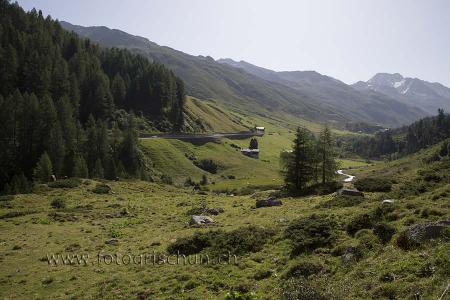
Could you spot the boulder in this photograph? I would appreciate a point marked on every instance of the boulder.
(351, 192)
(268, 203)
(419, 233)
(201, 220)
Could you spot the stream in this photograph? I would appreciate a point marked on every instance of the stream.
(349, 177)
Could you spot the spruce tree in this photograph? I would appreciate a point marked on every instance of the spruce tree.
(253, 143)
(326, 156)
(80, 168)
(299, 168)
(44, 169)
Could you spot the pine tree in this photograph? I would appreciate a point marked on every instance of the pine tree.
(253, 143)
(19, 184)
(80, 168)
(326, 156)
(98, 171)
(44, 169)
(299, 167)
(57, 149)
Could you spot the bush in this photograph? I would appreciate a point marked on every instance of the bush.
(166, 179)
(327, 188)
(58, 203)
(384, 232)
(304, 269)
(65, 183)
(239, 241)
(193, 244)
(207, 165)
(102, 188)
(362, 221)
(405, 242)
(242, 240)
(310, 233)
(373, 184)
(342, 201)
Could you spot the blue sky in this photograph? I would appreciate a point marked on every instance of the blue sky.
(350, 40)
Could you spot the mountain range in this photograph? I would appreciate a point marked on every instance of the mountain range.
(305, 94)
(429, 96)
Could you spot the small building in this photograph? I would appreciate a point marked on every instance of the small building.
(260, 130)
(254, 153)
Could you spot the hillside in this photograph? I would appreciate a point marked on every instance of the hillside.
(206, 116)
(205, 78)
(147, 217)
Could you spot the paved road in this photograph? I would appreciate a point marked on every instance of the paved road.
(213, 136)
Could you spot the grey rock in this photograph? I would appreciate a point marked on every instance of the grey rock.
(268, 203)
(419, 233)
(201, 220)
(351, 192)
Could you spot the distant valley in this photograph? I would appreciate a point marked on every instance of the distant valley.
(304, 94)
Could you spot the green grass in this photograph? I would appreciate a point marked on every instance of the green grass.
(156, 216)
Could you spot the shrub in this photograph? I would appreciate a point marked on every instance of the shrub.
(362, 221)
(241, 240)
(373, 184)
(58, 203)
(310, 233)
(207, 165)
(384, 232)
(65, 183)
(191, 245)
(304, 269)
(342, 201)
(102, 188)
(404, 242)
(262, 274)
(166, 179)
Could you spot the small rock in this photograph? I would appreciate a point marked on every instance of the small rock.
(201, 220)
(268, 203)
(112, 241)
(214, 211)
(351, 192)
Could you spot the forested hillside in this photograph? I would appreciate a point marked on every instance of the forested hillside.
(322, 99)
(404, 140)
(69, 104)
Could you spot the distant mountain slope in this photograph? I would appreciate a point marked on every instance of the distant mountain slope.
(208, 79)
(423, 94)
(374, 105)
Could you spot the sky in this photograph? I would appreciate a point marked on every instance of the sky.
(350, 40)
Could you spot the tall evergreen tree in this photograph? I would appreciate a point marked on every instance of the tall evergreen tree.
(326, 155)
(44, 169)
(299, 167)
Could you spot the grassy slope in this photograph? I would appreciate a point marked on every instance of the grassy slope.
(170, 156)
(205, 116)
(157, 216)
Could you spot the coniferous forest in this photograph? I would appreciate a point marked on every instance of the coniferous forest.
(68, 106)
(404, 140)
